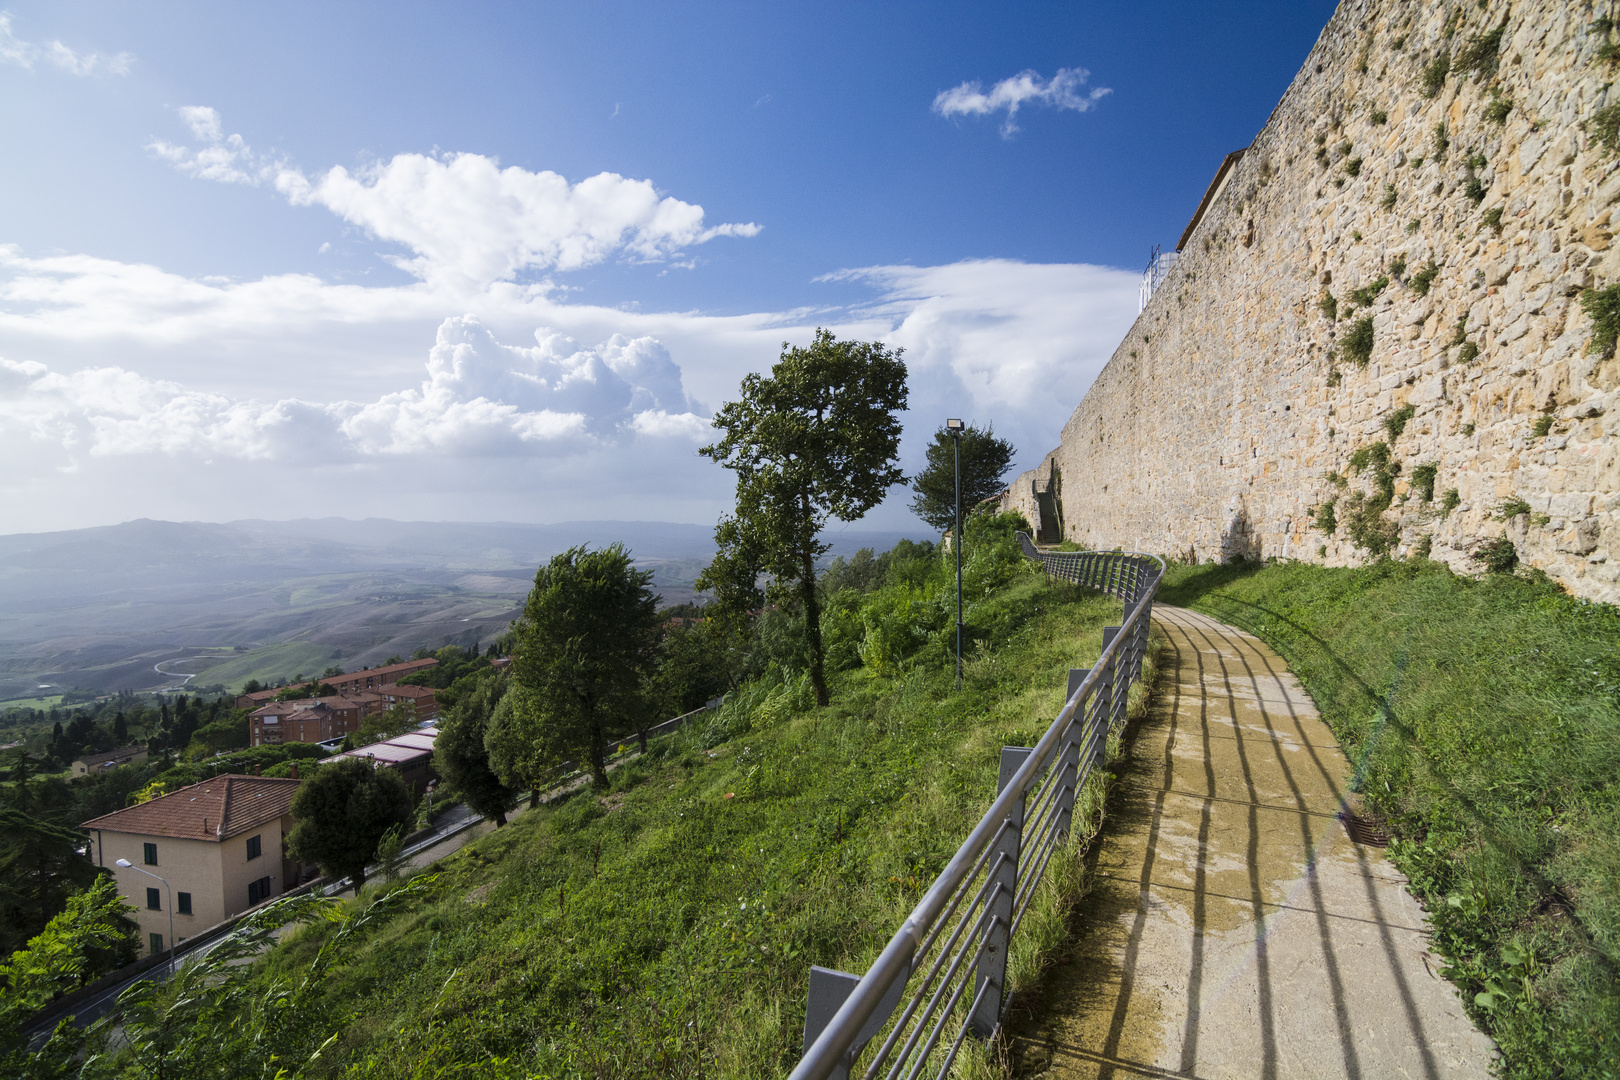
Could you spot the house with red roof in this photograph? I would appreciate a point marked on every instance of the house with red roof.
(208, 851)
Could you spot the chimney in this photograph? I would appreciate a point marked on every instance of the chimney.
(256, 769)
(294, 772)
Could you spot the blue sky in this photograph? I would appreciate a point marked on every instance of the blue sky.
(489, 262)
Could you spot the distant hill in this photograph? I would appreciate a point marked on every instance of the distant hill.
(99, 608)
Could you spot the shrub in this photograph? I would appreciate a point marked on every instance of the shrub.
(1511, 508)
(1395, 422)
(1328, 306)
(1468, 353)
(1379, 116)
(1474, 190)
(1493, 218)
(1498, 556)
(1353, 166)
(1499, 108)
(1358, 343)
(1365, 295)
(1390, 195)
(1424, 278)
(1481, 54)
(1423, 478)
(1542, 425)
(1412, 226)
(1397, 267)
(1451, 501)
(1368, 527)
(1326, 518)
(1604, 126)
(1602, 306)
(1442, 141)
(1433, 77)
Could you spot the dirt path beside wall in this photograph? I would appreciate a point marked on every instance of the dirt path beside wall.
(1234, 928)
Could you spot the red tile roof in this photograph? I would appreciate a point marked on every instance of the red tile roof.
(216, 809)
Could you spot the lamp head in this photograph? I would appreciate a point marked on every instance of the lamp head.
(954, 426)
(125, 863)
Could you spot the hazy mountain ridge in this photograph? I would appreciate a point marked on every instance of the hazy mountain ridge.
(97, 608)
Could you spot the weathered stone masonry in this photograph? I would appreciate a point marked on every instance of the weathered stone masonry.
(1230, 413)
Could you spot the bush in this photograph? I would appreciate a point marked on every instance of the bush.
(1358, 343)
(1497, 556)
(1423, 478)
(1433, 76)
(1424, 278)
(1602, 306)
(1365, 295)
(1395, 422)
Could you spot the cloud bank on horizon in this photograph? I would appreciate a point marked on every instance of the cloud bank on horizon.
(173, 395)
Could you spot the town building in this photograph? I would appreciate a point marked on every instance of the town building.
(111, 759)
(309, 720)
(211, 850)
(411, 754)
(346, 685)
(423, 702)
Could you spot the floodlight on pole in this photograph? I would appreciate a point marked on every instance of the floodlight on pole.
(955, 428)
(127, 865)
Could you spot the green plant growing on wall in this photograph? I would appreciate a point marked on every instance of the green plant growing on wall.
(1390, 195)
(1604, 126)
(1607, 52)
(1500, 107)
(1542, 426)
(1602, 306)
(1365, 295)
(1475, 188)
(1336, 479)
(1493, 218)
(1460, 334)
(1433, 77)
(1397, 267)
(1498, 556)
(1328, 306)
(1467, 429)
(1353, 167)
(1424, 278)
(1482, 53)
(1334, 378)
(1450, 502)
(1379, 116)
(1442, 140)
(1468, 353)
(1367, 526)
(1358, 343)
(1511, 508)
(1395, 422)
(1423, 478)
(1325, 517)
(1412, 226)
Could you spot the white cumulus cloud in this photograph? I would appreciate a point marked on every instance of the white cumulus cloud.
(226, 159)
(26, 54)
(1061, 91)
(480, 399)
(466, 217)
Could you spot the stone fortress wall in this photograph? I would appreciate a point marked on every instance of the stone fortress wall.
(1469, 210)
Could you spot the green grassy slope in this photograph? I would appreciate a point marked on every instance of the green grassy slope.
(1483, 718)
(268, 664)
(667, 927)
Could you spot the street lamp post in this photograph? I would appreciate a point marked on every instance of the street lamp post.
(955, 428)
(127, 865)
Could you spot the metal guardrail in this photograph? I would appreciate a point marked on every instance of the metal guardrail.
(951, 953)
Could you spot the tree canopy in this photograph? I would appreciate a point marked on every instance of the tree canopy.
(583, 651)
(818, 438)
(985, 460)
(461, 756)
(342, 812)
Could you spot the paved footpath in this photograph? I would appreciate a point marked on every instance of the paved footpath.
(1234, 929)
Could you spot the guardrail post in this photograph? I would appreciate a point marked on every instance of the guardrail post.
(828, 991)
(1004, 872)
(1068, 762)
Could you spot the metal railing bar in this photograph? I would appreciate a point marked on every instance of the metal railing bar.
(950, 1007)
(956, 1047)
(982, 934)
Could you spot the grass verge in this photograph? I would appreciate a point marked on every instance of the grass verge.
(1483, 721)
(667, 925)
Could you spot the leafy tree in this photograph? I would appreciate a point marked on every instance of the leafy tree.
(342, 812)
(41, 865)
(985, 460)
(67, 952)
(120, 729)
(817, 439)
(461, 757)
(698, 661)
(586, 644)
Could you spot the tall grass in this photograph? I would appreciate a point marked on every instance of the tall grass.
(666, 926)
(1483, 721)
